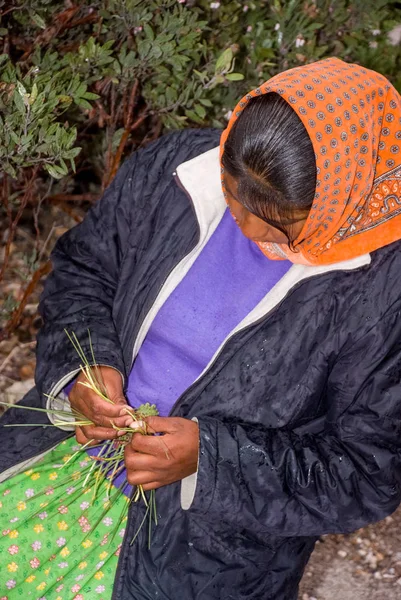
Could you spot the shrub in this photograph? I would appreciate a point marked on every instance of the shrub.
(82, 84)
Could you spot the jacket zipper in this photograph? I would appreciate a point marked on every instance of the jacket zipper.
(149, 317)
(133, 355)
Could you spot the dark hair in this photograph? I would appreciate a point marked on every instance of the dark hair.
(269, 153)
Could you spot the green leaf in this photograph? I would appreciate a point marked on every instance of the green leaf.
(90, 96)
(25, 139)
(315, 26)
(34, 94)
(52, 129)
(234, 76)
(108, 45)
(19, 103)
(9, 169)
(170, 121)
(81, 89)
(116, 67)
(70, 154)
(144, 47)
(3, 58)
(224, 61)
(129, 61)
(194, 117)
(83, 103)
(200, 75)
(15, 138)
(200, 111)
(54, 171)
(157, 52)
(21, 89)
(171, 95)
(206, 102)
(63, 166)
(149, 32)
(91, 46)
(64, 99)
(37, 19)
(217, 80)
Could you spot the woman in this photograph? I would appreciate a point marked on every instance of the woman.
(275, 365)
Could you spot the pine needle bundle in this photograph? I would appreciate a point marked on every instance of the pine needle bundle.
(108, 464)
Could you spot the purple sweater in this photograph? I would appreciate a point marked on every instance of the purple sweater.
(227, 280)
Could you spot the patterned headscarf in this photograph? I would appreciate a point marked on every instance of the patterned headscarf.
(353, 118)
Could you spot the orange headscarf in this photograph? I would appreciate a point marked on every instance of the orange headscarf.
(353, 118)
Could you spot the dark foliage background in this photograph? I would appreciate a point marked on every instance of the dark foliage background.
(82, 84)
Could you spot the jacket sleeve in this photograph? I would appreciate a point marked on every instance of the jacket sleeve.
(78, 294)
(293, 483)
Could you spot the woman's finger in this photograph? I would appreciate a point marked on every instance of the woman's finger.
(149, 444)
(82, 439)
(96, 409)
(104, 421)
(85, 400)
(152, 486)
(140, 477)
(98, 405)
(161, 424)
(99, 433)
(136, 461)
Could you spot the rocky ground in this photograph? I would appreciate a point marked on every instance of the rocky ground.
(363, 566)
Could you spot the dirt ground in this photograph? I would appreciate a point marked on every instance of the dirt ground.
(363, 566)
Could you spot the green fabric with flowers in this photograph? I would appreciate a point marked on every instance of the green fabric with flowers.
(61, 539)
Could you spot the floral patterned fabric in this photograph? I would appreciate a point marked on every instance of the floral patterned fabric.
(352, 116)
(58, 541)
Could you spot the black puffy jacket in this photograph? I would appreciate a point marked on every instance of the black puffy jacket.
(299, 411)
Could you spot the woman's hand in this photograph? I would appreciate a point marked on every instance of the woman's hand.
(154, 461)
(102, 413)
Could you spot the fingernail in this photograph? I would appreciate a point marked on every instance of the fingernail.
(120, 433)
(137, 425)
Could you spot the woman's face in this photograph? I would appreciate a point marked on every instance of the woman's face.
(252, 226)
